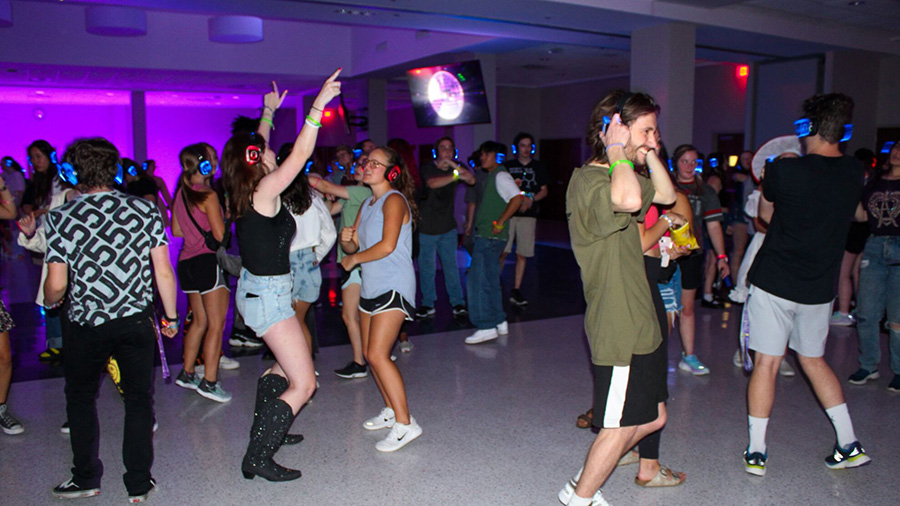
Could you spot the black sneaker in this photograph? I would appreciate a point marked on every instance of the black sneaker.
(862, 376)
(425, 312)
(894, 385)
(70, 490)
(136, 498)
(460, 310)
(244, 338)
(516, 298)
(352, 371)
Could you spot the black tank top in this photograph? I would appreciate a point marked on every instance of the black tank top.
(265, 242)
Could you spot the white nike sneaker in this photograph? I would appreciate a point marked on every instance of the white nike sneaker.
(503, 328)
(483, 335)
(384, 420)
(400, 436)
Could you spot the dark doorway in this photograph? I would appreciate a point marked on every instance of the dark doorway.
(730, 145)
(562, 157)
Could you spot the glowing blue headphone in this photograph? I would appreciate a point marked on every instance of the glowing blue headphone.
(805, 127)
(309, 164)
(455, 153)
(144, 166)
(132, 170)
(501, 157)
(714, 162)
(357, 152)
(884, 149)
(699, 168)
(204, 166)
(8, 163)
(53, 159)
(471, 163)
(515, 151)
(69, 173)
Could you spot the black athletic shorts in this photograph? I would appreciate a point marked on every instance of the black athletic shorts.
(628, 396)
(200, 274)
(692, 270)
(388, 301)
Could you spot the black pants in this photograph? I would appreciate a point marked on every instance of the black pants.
(133, 341)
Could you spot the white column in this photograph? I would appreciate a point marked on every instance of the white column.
(662, 64)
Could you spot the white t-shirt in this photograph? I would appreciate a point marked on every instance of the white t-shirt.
(506, 186)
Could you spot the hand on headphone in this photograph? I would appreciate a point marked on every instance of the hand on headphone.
(616, 133)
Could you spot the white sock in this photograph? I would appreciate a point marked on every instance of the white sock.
(707, 297)
(757, 434)
(843, 426)
(577, 500)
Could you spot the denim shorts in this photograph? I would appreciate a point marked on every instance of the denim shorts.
(263, 301)
(671, 292)
(307, 276)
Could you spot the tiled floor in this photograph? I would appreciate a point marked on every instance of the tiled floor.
(498, 422)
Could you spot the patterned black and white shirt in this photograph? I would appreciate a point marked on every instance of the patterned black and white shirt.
(105, 239)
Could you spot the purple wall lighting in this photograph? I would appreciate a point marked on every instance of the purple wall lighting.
(115, 21)
(62, 115)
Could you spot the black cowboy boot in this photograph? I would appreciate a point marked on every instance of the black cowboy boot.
(269, 427)
(269, 388)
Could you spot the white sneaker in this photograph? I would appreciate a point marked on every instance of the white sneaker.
(400, 436)
(225, 363)
(568, 491)
(481, 336)
(228, 364)
(406, 346)
(503, 328)
(384, 420)
(785, 369)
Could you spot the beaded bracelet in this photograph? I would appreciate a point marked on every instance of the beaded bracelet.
(617, 162)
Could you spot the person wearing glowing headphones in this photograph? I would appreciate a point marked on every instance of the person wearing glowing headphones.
(605, 200)
(437, 226)
(532, 177)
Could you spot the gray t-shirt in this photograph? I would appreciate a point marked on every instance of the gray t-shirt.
(395, 271)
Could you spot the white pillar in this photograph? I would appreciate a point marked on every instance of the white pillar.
(662, 64)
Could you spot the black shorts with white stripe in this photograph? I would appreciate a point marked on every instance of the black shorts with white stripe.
(388, 301)
(627, 396)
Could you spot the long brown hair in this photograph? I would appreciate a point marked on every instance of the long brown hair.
(404, 184)
(632, 105)
(190, 165)
(240, 176)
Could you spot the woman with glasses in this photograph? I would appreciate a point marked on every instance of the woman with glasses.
(381, 242)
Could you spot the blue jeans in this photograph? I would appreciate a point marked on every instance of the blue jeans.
(445, 247)
(483, 284)
(879, 291)
(53, 328)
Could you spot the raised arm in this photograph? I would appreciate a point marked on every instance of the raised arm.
(328, 188)
(662, 183)
(625, 190)
(271, 186)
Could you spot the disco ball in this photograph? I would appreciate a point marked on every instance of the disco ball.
(446, 95)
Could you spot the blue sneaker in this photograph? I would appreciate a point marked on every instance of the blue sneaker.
(755, 463)
(854, 456)
(693, 365)
(187, 380)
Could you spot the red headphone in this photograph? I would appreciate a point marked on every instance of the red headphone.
(393, 174)
(252, 155)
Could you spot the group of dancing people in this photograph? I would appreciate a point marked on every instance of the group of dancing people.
(626, 216)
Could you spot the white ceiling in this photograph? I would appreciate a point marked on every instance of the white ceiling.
(539, 42)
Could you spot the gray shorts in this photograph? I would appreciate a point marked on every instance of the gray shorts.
(776, 323)
(521, 231)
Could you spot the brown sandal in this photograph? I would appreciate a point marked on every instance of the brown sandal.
(584, 421)
(664, 478)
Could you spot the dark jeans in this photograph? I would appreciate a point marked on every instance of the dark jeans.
(483, 284)
(133, 342)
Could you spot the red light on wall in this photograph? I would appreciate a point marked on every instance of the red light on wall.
(327, 114)
(743, 71)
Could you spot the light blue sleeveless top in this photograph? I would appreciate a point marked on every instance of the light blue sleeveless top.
(395, 271)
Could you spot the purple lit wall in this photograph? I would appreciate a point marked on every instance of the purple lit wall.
(61, 124)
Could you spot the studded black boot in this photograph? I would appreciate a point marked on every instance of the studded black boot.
(269, 427)
(269, 388)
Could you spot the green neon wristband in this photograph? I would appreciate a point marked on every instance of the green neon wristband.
(617, 162)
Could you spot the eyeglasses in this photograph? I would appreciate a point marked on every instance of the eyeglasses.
(685, 161)
(374, 163)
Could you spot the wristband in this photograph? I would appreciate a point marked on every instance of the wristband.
(455, 174)
(527, 194)
(54, 305)
(666, 217)
(614, 144)
(722, 256)
(499, 227)
(7, 201)
(267, 120)
(265, 107)
(617, 162)
(316, 108)
(167, 323)
(313, 123)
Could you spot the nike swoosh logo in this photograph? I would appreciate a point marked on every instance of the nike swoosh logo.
(401, 437)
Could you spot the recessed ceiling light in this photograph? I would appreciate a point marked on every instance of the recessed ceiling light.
(857, 3)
